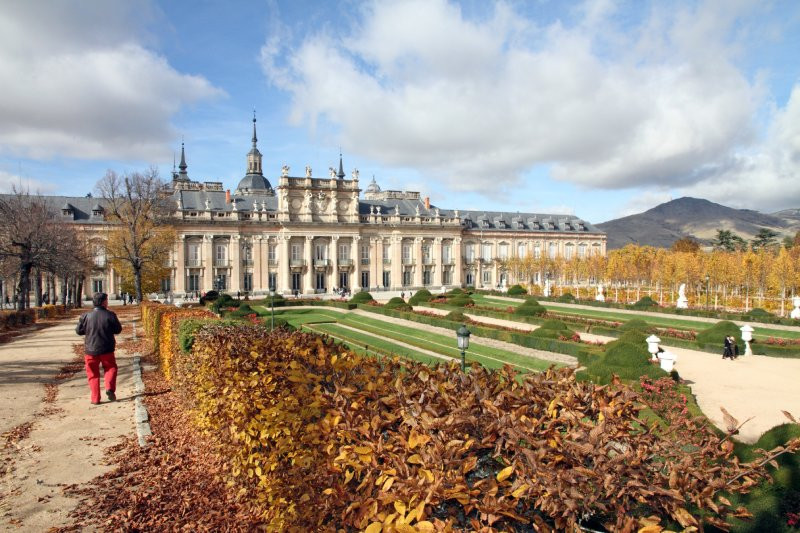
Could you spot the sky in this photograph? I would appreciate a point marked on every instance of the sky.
(594, 108)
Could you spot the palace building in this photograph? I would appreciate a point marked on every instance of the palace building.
(310, 234)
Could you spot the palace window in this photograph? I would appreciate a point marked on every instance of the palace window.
(272, 255)
(272, 280)
(447, 277)
(502, 251)
(387, 278)
(248, 281)
(426, 254)
(297, 252)
(426, 276)
(406, 254)
(486, 251)
(364, 257)
(365, 279)
(193, 254)
(469, 251)
(221, 252)
(406, 278)
(97, 285)
(569, 250)
(582, 250)
(537, 250)
(344, 252)
(521, 250)
(487, 277)
(551, 250)
(446, 254)
(320, 252)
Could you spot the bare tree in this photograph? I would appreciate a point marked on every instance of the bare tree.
(140, 237)
(28, 234)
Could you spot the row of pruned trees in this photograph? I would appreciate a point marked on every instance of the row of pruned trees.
(37, 250)
(767, 277)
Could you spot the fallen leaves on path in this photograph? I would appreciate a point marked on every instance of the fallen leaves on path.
(174, 481)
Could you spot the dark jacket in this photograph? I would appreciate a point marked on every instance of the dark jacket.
(99, 326)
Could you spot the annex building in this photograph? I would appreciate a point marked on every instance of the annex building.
(310, 234)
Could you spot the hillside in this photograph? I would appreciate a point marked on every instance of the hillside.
(695, 217)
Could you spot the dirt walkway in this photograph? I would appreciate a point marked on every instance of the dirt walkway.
(59, 442)
(651, 313)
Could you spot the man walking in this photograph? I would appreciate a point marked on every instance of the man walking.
(100, 325)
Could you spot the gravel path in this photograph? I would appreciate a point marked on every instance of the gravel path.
(67, 437)
(653, 313)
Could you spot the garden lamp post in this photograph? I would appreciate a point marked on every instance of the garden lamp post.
(272, 308)
(462, 334)
(708, 279)
(652, 346)
(747, 337)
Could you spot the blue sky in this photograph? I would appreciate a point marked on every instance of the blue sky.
(595, 108)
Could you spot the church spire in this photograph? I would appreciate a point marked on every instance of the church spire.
(183, 166)
(255, 139)
(340, 175)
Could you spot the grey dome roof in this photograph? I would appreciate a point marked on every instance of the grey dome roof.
(254, 182)
(373, 187)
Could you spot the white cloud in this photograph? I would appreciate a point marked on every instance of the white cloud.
(768, 176)
(11, 182)
(78, 82)
(607, 102)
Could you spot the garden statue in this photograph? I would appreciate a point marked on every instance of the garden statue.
(600, 297)
(795, 314)
(546, 290)
(683, 301)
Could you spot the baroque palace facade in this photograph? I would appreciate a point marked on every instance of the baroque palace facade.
(313, 234)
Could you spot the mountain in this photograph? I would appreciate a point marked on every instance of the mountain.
(694, 217)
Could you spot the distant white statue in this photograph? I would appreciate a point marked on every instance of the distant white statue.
(284, 171)
(355, 174)
(795, 314)
(683, 301)
(308, 171)
(546, 290)
(332, 173)
(600, 297)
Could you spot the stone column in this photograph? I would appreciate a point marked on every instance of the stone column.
(308, 284)
(112, 281)
(438, 264)
(180, 266)
(458, 256)
(397, 261)
(208, 262)
(355, 273)
(235, 247)
(333, 278)
(258, 263)
(283, 264)
(417, 260)
(375, 261)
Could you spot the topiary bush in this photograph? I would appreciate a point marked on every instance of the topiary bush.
(645, 303)
(398, 304)
(759, 313)
(460, 301)
(211, 296)
(456, 316)
(455, 291)
(421, 296)
(636, 324)
(566, 297)
(635, 337)
(517, 290)
(552, 329)
(530, 307)
(714, 337)
(361, 298)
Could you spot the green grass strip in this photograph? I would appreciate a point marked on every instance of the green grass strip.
(486, 355)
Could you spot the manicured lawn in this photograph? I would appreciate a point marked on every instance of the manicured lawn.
(377, 346)
(303, 316)
(445, 344)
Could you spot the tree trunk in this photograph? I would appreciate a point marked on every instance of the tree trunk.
(64, 290)
(79, 292)
(38, 287)
(24, 285)
(137, 280)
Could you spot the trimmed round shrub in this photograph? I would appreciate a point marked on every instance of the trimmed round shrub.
(759, 313)
(456, 316)
(636, 324)
(621, 353)
(398, 304)
(552, 329)
(645, 303)
(517, 290)
(361, 298)
(460, 301)
(530, 307)
(211, 296)
(455, 291)
(421, 296)
(635, 337)
(566, 297)
(715, 335)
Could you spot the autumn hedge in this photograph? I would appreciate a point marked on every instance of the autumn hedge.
(316, 437)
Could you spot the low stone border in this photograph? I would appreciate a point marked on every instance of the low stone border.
(140, 416)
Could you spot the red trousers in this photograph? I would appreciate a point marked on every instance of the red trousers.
(93, 363)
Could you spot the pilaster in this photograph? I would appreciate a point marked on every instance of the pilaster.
(417, 260)
(235, 245)
(458, 256)
(208, 262)
(180, 265)
(308, 284)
